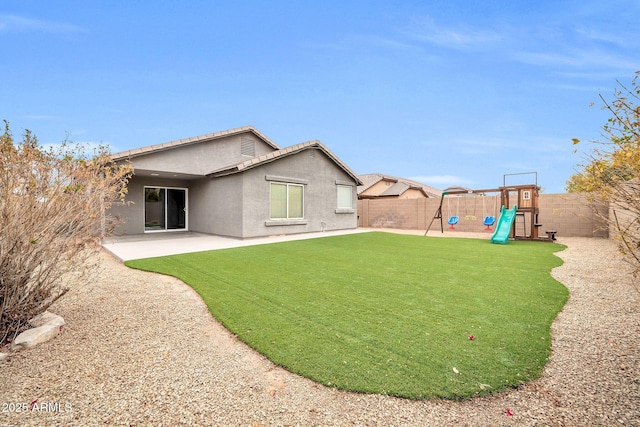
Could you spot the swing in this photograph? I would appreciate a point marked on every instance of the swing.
(489, 220)
(453, 219)
(467, 216)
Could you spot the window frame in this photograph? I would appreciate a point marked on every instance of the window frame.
(341, 209)
(287, 216)
(165, 209)
(338, 201)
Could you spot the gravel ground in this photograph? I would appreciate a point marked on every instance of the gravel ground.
(142, 349)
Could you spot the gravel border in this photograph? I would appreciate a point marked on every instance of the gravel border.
(142, 349)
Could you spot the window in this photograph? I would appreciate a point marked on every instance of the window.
(287, 201)
(345, 196)
(526, 195)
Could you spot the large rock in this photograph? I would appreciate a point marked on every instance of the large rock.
(47, 326)
(46, 318)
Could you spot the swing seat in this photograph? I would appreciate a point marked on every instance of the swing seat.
(489, 220)
(452, 222)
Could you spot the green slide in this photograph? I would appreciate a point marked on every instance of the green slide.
(503, 229)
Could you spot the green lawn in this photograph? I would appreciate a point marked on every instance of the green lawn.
(386, 313)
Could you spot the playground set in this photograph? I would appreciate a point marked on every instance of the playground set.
(517, 201)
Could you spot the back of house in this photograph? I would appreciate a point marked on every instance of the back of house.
(237, 183)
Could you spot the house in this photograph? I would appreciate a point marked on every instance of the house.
(237, 183)
(376, 185)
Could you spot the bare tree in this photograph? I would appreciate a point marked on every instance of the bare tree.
(612, 170)
(52, 218)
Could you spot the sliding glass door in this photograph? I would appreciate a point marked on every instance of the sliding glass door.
(165, 209)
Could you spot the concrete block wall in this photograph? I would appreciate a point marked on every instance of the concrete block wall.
(570, 215)
(626, 215)
(393, 213)
(573, 215)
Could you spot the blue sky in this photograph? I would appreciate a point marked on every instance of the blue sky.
(451, 92)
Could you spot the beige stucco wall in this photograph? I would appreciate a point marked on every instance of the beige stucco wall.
(377, 188)
(412, 193)
(383, 185)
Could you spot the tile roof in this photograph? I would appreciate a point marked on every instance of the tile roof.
(193, 140)
(369, 180)
(284, 152)
(396, 189)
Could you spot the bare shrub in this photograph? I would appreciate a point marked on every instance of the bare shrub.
(52, 218)
(612, 169)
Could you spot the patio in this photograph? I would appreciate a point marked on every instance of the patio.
(138, 246)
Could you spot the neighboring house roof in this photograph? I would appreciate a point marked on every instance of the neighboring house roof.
(463, 191)
(456, 188)
(284, 152)
(401, 185)
(398, 188)
(193, 140)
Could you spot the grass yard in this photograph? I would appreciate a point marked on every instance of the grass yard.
(386, 313)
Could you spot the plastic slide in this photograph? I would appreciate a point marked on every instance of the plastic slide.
(503, 229)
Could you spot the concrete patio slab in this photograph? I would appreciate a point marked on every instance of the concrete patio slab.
(171, 243)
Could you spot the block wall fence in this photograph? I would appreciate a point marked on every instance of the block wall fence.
(570, 215)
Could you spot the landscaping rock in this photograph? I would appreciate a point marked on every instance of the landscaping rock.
(48, 326)
(46, 318)
(129, 360)
(3, 356)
